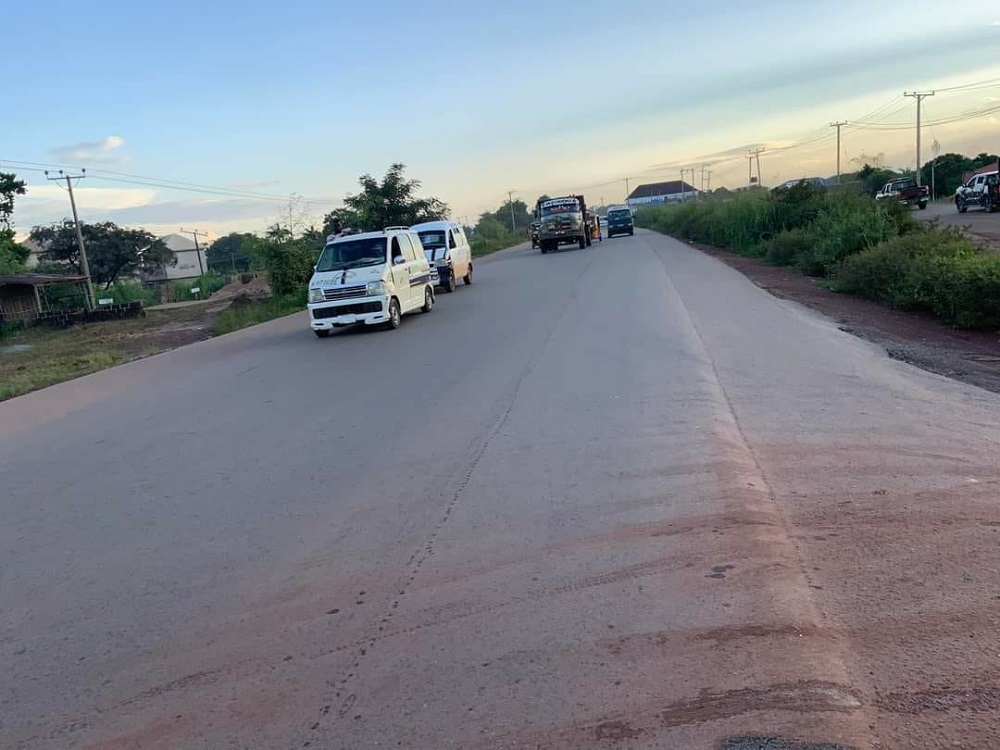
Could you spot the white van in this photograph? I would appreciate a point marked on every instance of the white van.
(448, 250)
(372, 278)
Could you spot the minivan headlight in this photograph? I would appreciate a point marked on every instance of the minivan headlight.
(316, 294)
(375, 289)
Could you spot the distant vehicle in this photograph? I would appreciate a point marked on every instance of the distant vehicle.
(980, 191)
(562, 221)
(448, 250)
(905, 190)
(373, 278)
(620, 221)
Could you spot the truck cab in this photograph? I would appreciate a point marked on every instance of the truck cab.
(562, 221)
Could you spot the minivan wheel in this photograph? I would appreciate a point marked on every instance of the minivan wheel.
(395, 318)
(583, 243)
(961, 206)
(428, 301)
(449, 284)
(467, 279)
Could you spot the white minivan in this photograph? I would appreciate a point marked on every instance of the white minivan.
(373, 278)
(448, 250)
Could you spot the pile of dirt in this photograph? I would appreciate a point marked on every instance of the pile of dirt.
(252, 286)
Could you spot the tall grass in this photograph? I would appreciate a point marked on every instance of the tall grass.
(207, 284)
(875, 250)
(486, 245)
(253, 312)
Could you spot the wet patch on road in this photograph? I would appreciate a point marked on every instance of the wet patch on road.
(775, 743)
(804, 697)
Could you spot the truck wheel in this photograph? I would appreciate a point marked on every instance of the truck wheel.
(544, 247)
(921, 206)
(960, 205)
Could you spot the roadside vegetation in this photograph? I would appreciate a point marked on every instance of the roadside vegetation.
(874, 250)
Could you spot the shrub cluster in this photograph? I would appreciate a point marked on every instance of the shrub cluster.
(875, 250)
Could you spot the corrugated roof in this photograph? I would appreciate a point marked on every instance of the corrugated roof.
(655, 189)
(38, 279)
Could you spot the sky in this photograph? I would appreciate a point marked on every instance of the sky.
(246, 104)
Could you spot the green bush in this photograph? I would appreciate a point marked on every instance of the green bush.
(130, 291)
(849, 224)
(932, 270)
(485, 245)
(208, 284)
(789, 245)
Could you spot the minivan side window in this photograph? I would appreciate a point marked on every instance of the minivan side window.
(451, 240)
(460, 235)
(409, 252)
(397, 252)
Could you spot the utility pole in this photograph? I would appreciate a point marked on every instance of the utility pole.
(682, 185)
(919, 96)
(510, 202)
(749, 170)
(197, 249)
(760, 178)
(936, 150)
(709, 184)
(84, 264)
(838, 125)
(627, 191)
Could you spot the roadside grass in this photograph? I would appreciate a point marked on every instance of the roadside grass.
(486, 245)
(253, 312)
(36, 357)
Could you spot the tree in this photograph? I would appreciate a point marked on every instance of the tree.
(522, 216)
(227, 254)
(344, 217)
(12, 254)
(391, 202)
(950, 169)
(872, 178)
(112, 251)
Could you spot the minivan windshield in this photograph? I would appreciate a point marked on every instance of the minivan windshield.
(433, 239)
(339, 256)
(619, 214)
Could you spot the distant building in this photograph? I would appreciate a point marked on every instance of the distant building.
(661, 192)
(191, 262)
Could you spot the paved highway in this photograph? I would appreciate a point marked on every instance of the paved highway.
(608, 498)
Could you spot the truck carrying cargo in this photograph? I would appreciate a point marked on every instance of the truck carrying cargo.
(562, 221)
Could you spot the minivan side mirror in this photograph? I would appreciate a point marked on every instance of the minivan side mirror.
(398, 260)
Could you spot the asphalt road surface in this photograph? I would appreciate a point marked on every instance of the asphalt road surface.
(618, 497)
(977, 221)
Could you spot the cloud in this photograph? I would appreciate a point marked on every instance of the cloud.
(92, 152)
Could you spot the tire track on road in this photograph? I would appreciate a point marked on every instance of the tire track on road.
(502, 411)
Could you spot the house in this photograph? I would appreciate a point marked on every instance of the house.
(661, 192)
(994, 167)
(192, 260)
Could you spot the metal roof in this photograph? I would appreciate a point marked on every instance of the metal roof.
(37, 279)
(656, 189)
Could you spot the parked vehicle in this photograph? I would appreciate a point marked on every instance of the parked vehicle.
(594, 223)
(905, 190)
(448, 250)
(373, 278)
(620, 221)
(980, 191)
(563, 221)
